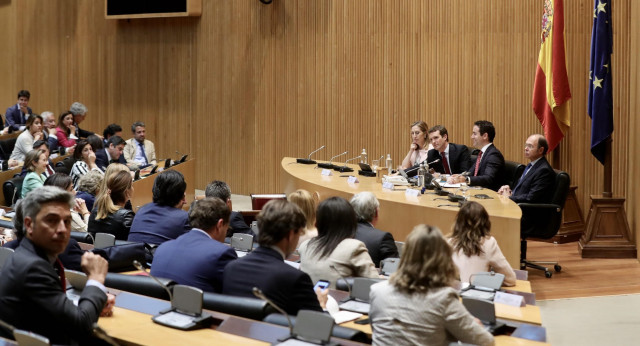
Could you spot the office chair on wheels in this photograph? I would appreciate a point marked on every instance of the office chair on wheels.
(542, 221)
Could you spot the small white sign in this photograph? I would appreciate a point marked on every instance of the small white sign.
(352, 179)
(412, 192)
(387, 185)
(509, 299)
(327, 172)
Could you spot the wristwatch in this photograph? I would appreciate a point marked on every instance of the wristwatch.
(468, 180)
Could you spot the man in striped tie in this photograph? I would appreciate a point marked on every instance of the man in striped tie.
(536, 183)
(488, 168)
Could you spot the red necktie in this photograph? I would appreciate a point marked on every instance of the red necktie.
(475, 173)
(445, 163)
(60, 269)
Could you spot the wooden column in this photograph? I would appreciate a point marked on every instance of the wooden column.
(607, 234)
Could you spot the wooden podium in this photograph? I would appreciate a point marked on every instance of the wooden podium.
(607, 234)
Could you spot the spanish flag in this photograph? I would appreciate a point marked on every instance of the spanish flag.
(551, 92)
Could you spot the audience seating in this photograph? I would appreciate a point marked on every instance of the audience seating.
(258, 201)
(341, 285)
(543, 220)
(6, 147)
(82, 237)
(338, 331)
(252, 308)
(12, 190)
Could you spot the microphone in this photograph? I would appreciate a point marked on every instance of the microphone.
(139, 266)
(102, 335)
(333, 267)
(344, 168)
(308, 160)
(330, 165)
(183, 158)
(258, 293)
(413, 170)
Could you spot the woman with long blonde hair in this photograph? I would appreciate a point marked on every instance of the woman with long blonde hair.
(418, 306)
(308, 205)
(109, 214)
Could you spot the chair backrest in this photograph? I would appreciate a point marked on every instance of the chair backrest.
(104, 240)
(258, 201)
(512, 172)
(544, 220)
(563, 183)
(6, 147)
(12, 190)
(252, 308)
(82, 237)
(138, 284)
(5, 254)
(338, 331)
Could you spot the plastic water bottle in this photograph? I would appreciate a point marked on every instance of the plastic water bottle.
(389, 163)
(363, 157)
(420, 175)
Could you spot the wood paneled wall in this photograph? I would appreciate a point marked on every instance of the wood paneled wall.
(246, 84)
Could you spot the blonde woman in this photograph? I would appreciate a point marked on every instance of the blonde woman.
(474, 249)
(109, 214)
(418, 306)
(36, 162)
(305, 201)
(419, 145)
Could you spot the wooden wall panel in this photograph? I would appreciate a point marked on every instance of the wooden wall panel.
(246, 84)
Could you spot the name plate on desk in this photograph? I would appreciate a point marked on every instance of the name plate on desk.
(387, 185)
(412, 192)
(327, 172)
(509, 299)
(352, 179)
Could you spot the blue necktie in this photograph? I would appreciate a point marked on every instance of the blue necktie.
(146, 161)
(522, 177)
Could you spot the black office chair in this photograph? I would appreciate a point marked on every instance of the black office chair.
(12, 190)
(6, 147)
(542, 221)
(512, 172)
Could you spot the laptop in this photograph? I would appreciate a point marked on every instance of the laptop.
(485, 312)
(483, 285)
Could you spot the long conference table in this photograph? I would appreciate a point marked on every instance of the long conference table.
(400, 213)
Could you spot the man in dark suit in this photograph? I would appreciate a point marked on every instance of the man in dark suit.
(198, 258)
(454, 158)
(380, 244)
(280, 223)
(79, 112)
(32, 285)
(488, 169)
(111, 153)
(537, 180)
(221, 190)
(163, 219)
(17, 114)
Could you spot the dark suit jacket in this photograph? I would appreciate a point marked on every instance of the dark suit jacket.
(13, 117)
(193, 259)
(537, 185)
(32, 298)
(155, 224)
(380, 244)
(459, 159)
(289, 288)
(80, 133)
(118, 223)
(491, 170)
(102, 160)
(237, 225)
(70, 258)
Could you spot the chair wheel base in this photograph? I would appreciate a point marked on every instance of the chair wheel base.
(548, 274)
(557, 268)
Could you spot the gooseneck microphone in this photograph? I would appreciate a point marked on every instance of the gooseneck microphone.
(308, 160)
(333, 267)
(344, 168)
(258, 293)
(330, 165)
(413, 170)
(139, 266)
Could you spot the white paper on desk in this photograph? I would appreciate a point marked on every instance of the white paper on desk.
(451, 185)
(509, 299)
(343, 316)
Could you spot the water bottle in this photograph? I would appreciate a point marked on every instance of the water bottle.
(389, 163)
(363, 157)
(420, 175)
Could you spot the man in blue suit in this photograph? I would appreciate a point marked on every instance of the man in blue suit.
(488, 169)
(280, 223)
(111, 153)
(537, 180)
(198, 258)
(17, 114)
(163, 219)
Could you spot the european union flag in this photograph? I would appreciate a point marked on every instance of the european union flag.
(600, 86)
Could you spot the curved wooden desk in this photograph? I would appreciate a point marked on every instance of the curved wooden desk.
(400, 213)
